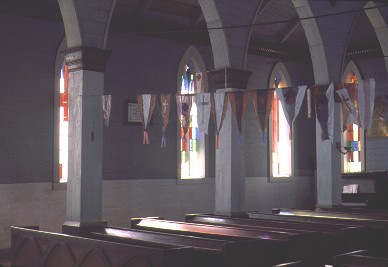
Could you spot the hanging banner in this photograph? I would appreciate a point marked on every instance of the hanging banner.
(349, 103)
(324, 108)
(219, 106)
(239, 103)
(366, 101)
(291, 100)
(165, 106)
(203, 111)
(262, 103)
(184, 103)
(146, 106)
(199, 82)
(106, 108)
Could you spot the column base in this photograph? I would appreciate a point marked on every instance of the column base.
(81, 228)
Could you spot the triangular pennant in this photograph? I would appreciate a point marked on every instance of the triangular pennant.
(199, 82)
(219, 107)
(184, 103)
(291, 100)
(324, 108)
(165, 107)
(146, 105)
(262, 103)
(203, 111)
(366, 97)
(237, 104)
(106, 108)
(349, 102)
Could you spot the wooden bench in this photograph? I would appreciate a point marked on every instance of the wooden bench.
(299, 246)
(336, 239)
(32, 248)
(209, 252)
(378, 229)
(362, 258)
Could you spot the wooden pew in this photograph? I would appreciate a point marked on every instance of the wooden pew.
(299, 246)
(291, 264)
(336, 239)
(33, 248)
(362, 258)
(378, 229)
(209, 252)
(382, 216)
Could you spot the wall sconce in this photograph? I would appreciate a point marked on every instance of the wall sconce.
(346, 150)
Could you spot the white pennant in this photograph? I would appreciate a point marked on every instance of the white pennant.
(366, 97)
(291, 112)
(352, 118)
(330, 110)
(106, 108)
(146, 108)
(203, 111)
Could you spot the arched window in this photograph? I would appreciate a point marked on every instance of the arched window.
(61, 115)
(191, 146)
(63, 124)
(353, 137)
(280, 142)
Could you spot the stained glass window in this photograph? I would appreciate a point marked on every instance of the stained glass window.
(192, 144)
(63, 124)
(352, 139)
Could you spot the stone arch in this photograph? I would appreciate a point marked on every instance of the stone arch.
(71, 23)
(84, 25)
(380, 27)
(280, 71)
(193, 56)
(218, 38)
(317, 51)
(351, 67)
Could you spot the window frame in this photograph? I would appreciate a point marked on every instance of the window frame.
(56, 185)
(279, 71)
(192, 58)
(352, 70)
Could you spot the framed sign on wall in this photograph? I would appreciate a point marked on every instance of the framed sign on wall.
(132, 112)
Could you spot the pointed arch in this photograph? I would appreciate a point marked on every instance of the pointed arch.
(380, 27)
(280, 70)
(193, 56)
(218, 37)
(317, 51)
(351, 67)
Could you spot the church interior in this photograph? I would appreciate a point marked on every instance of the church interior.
(194, 133)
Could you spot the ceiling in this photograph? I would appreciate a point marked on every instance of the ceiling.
(183, 20)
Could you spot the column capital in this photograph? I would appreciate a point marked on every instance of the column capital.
(86, 58)
(228, 78)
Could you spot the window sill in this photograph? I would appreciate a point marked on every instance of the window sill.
(280, 179)
(205, 180)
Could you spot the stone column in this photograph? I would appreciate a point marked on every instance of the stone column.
(84, 186)
(230, 156)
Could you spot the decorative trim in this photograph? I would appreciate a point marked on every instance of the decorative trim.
(86, 58)
(235, 78)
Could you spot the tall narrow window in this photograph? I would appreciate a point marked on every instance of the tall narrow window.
(192, 145)
(353, 136)
(281, 143)
(280, 136)
(63, 124)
